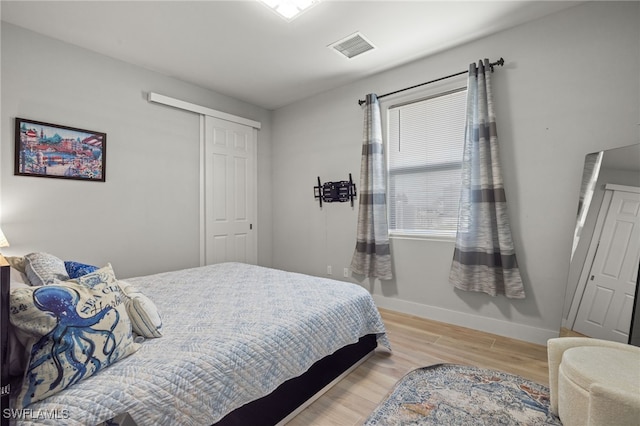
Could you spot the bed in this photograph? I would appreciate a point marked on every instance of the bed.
(241, 344)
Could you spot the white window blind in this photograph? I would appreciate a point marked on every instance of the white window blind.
(425, 144)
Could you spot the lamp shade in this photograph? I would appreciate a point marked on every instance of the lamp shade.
(3, 240)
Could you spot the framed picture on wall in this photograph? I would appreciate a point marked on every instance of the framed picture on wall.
(55, 151)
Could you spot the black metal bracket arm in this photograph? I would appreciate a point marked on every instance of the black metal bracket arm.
(331, 192)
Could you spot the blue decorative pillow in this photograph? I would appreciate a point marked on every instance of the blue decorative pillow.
(71, 332)
(77, 269)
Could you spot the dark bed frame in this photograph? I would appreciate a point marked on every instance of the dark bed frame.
(4, 336)
(266, 411)
(273, 408)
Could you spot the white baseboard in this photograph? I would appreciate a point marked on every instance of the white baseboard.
(476, 322)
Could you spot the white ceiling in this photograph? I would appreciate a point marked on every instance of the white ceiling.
(242, 49)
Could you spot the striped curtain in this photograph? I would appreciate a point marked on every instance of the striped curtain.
(484, 259)
(372, 256)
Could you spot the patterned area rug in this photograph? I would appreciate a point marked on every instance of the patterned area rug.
(449, 394)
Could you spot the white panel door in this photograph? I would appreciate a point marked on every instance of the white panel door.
(230, 192)
(607, 304)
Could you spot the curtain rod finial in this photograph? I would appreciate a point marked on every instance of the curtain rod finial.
(499, 62)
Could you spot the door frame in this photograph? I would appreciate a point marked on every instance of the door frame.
(202, 111)
(593, 247)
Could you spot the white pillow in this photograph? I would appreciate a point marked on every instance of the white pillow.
(18, 277)
(18, 354)
(143, 313)
(44, 268)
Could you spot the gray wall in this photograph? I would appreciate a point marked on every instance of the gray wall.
(145, 217)
(570, 86)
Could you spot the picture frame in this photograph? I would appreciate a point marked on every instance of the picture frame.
(61, 152)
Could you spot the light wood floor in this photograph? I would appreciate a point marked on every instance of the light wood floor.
(418, 342)
(565, 332)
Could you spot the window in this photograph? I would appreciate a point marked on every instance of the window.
(424, 160)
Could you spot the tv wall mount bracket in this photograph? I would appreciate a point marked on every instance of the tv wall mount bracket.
(335, 192)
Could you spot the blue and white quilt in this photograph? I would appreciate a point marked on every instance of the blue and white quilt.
(232, 334)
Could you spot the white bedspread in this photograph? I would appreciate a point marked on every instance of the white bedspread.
(232, 334)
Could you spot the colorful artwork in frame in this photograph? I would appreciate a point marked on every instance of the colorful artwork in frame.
(51, 150)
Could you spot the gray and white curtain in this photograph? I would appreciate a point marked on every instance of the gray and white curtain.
(484, 259)
(372, 256)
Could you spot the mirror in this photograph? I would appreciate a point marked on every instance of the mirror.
(601, 297)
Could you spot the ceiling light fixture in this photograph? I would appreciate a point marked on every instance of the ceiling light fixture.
(289, 9)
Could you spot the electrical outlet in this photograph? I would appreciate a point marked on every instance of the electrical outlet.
(328, 269)
(346, 272)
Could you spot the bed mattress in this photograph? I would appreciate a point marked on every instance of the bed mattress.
(232, 333)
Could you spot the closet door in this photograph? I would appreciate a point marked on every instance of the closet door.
(230, 192)
(607, 304)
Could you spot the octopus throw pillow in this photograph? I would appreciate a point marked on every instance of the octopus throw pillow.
(73, 332)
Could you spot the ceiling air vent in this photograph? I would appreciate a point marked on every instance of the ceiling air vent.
(352, 46)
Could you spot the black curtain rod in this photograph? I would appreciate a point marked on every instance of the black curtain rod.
(492, 64)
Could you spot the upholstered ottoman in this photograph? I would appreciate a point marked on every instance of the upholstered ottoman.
(599, 386)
